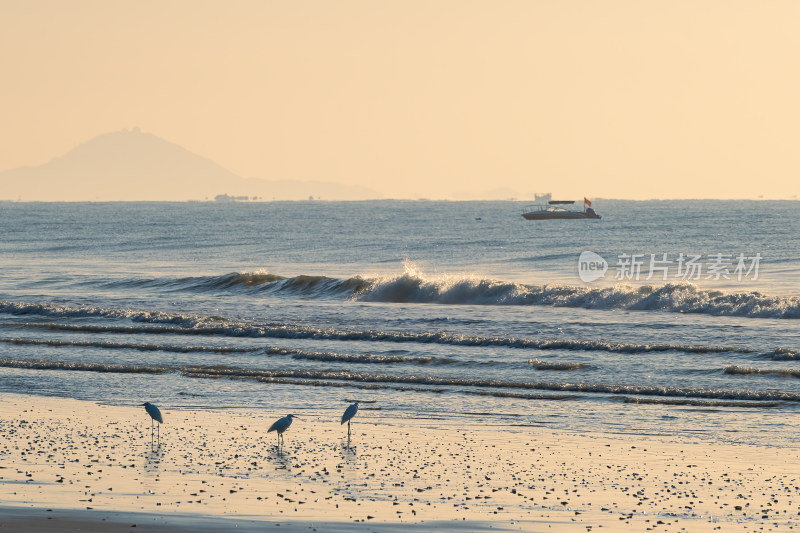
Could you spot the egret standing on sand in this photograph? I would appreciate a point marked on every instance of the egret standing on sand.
(281, 425)
(155, 415)
(349, 413)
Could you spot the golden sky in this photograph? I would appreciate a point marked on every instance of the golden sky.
(423, 98)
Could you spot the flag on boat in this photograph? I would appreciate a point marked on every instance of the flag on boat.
(587, 202)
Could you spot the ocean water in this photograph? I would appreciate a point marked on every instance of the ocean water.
(431, 310)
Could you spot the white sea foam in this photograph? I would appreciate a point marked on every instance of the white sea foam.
(166, 324)
(378, 380)
(414, 286)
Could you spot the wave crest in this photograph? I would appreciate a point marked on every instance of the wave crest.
(166, 324)
(736, 370)
(555, 365)
(414, 286)
(339, 378)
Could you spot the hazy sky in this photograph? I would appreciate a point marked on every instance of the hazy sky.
(625, 99)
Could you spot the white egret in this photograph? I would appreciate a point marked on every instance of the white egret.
(349, 413)
(281, 425)
(155, 416)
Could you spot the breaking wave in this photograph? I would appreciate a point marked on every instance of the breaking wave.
(84, 367)
(700, 403)
(161, 323)
(143, 347)
(672, 297)
(343, 378)
(748, 371)
(555, 365)
(294, 353)
(413, 286)
(252, 282)
(782, 354)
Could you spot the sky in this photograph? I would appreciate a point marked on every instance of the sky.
(423, 98)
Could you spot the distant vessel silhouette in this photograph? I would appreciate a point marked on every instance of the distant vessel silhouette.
(557, 209)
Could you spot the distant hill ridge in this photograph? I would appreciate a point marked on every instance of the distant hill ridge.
(131, 165)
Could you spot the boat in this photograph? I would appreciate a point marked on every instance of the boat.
(558, 209)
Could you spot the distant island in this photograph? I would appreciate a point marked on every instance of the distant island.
(130, 165)
(228, 198)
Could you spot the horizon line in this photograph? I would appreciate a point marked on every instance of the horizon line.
(314, 200)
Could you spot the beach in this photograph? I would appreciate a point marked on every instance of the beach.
(497, 390)
(89, 466)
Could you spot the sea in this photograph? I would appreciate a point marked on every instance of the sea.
(671, 318)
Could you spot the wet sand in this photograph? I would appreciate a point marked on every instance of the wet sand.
(67, 465)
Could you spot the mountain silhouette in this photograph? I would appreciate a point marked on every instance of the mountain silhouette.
(131, 165)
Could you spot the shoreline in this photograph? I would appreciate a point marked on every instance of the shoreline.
(93, 465)
(102, 521)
